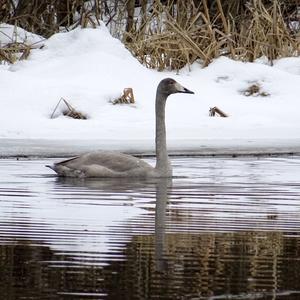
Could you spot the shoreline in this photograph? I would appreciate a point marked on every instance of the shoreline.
(45, 148)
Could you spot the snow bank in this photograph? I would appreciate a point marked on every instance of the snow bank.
(14, 34)
(89, 68)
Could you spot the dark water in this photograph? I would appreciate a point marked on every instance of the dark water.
(225, 229)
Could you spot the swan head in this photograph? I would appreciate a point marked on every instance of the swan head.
(169, 86)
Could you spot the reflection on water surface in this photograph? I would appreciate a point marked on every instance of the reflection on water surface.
(223, 229)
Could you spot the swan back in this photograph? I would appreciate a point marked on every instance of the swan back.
(104, 164)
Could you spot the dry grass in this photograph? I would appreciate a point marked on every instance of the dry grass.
(215, 111)
(126, 98)
(68, 110)
(14, 51)
(173, 34)
(255, 90)
(196, 34)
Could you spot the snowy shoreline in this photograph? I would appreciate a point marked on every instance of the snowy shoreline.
(89, 68)
(42, 148)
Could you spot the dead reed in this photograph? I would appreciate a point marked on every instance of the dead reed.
(169, 34)
(14, 51)
(126, 98)
(65, 108)
(171, 39)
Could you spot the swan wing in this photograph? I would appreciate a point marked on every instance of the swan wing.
(102, 164)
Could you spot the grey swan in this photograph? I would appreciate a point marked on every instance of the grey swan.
(107, 164)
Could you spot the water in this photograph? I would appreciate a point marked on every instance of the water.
(225, 228)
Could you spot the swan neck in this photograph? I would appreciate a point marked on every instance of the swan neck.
(162, 160)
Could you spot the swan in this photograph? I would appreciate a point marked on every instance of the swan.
(115, 164)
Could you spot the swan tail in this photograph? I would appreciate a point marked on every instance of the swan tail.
(64, 171)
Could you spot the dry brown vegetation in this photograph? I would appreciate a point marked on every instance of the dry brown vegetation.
(244, 30)
(14, 51)
(170, 34)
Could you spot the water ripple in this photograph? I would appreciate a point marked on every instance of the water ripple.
(223, 228)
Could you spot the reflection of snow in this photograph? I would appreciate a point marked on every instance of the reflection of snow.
(100, 216)
(68, 218)
(228, 194)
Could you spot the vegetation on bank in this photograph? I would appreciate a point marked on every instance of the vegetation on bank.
(170, 34)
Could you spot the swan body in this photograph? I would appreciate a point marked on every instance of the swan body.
(107, 164)
(104, 164)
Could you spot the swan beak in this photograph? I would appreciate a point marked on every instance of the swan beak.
(182, 89)
(186, 91)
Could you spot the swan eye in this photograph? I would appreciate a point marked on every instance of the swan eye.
(170, 81)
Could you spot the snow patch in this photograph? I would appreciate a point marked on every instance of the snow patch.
(88, 68)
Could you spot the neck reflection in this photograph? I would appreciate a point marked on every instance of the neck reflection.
(160, 222)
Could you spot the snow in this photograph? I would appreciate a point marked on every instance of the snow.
(89, 68)
(14, 34)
